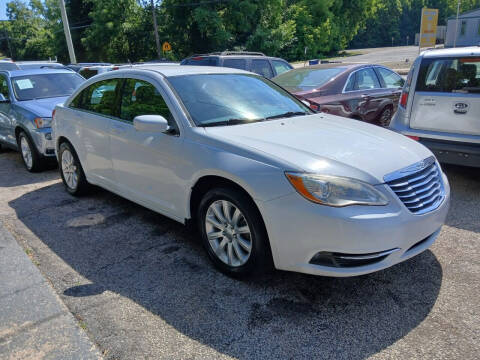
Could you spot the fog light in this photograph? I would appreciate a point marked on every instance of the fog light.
(48, 136)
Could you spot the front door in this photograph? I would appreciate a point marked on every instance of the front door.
(146, 164)
(447, 95)
(6, 126)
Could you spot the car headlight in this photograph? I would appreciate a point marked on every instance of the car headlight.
(42, 122)
(335, 191)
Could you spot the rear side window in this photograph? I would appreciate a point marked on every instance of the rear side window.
(281, 66)
(201, 61)
(87, 73)
(449, 75)
(235, 63)
(262, 67)
(98, 97)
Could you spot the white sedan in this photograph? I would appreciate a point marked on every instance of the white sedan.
(266, 180)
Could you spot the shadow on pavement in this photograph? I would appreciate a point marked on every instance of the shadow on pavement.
(131, 251)
(465, 194)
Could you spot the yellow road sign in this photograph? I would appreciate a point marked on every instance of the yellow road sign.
(428, 27)
(166, 46)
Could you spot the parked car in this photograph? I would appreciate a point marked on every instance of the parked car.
(88, 71)
(440, 104)
(27, 98)
(364, 92)
(255, 62)
(78, 66)
(259, 173)
(24, 65)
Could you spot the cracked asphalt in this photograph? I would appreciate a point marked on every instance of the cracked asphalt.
(142, 287)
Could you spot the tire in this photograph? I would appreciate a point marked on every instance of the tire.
(241, 242)
(385, 116)
(71, 170)
(32, 160)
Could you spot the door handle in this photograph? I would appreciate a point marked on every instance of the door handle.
(365, 96)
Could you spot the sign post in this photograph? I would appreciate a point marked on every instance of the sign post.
(428, 28)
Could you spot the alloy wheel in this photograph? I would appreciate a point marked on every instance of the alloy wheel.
(228, 233)
(69, 169)
(385, 117)
(26, 152)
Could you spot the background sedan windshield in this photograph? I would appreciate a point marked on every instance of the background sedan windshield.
(306, 79)
(45, 85)
(222, 97)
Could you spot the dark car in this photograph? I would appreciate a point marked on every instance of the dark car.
(364, 92)
(251, 61)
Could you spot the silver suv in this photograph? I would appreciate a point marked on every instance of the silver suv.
(440, 104)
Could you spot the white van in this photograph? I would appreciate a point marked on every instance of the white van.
(440, 104)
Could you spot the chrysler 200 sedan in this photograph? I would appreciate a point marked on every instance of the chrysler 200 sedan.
(263, 178)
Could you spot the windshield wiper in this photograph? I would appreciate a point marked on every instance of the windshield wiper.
(231, 122)
(287, 115)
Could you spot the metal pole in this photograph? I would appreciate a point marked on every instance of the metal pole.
(155, 28)
(456, 25)
(66, 29)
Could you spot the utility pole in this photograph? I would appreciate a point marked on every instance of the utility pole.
(155, 29)
(456, 25)
(66, 29)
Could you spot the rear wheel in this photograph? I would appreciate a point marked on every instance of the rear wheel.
(71, 170)
(32, 160)
(385, 117)
(233, 233)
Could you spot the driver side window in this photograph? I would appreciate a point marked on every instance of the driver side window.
(4, 87)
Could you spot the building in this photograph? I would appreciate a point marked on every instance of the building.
(468, 29)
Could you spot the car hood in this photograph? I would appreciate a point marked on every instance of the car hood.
(327, 144)
(42, 107)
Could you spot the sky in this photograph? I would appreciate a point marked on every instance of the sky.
(3, 9)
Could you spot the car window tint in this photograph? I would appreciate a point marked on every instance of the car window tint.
(4, 87)
(201, 61)
(142, 98)
(87, 73)
(307, 78)
(262, 67)
(98, 97)
(235, 63)
(280, 66)
(350, 85)
(451, 75)
(391, 79)
(365, 79)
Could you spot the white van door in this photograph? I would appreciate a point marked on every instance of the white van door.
(447, 95)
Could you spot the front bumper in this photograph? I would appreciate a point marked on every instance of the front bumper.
(299, 230)
(43, 141)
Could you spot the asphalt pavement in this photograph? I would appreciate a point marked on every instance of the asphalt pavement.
(142, 288)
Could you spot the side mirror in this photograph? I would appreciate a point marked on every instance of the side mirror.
(3, 99)
(151, 123)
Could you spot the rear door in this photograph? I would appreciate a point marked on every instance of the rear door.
(6, 126)
(447, 95)
(392, 82)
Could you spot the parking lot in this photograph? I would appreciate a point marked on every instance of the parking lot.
(142, 287)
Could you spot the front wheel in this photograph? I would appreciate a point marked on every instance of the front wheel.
(71, 170)
(233, 232)
(31, 158)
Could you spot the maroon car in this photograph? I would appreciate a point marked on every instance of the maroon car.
(364, 92)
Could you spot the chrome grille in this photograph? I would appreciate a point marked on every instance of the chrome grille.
(418, 186)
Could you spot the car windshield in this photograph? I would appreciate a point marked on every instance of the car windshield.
(226, 99)
(307, 78)
(40, 86)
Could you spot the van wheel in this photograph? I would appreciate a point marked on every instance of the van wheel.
(71, 170)
(233, 233)
(32, 160)
(385, 117)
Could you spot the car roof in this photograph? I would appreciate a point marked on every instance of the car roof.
(463, 51)
(347, 66)
(175, 70)
(26, 72)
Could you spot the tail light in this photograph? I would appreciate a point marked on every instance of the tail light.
(53, 114)
(115, 68)
(404, 99)
(416, 138)
(311, 105)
